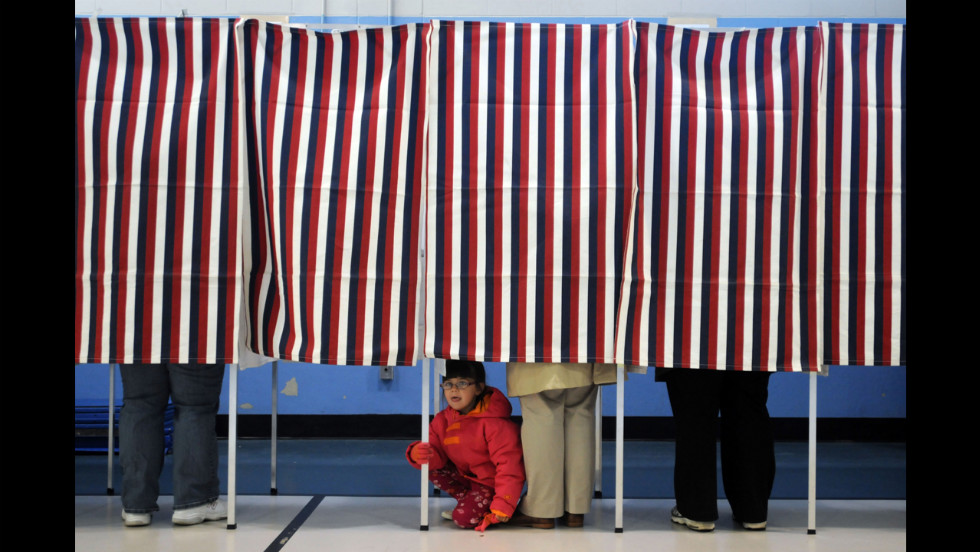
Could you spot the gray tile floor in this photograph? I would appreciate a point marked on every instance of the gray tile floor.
(391, 524)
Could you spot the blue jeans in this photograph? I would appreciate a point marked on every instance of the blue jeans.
(195, 389)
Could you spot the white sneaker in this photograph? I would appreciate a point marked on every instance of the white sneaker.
(447, 514)
(676, 517)
(211, 511)
(135, 519)
(754, 526)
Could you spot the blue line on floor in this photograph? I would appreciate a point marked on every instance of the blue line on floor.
(295, 524)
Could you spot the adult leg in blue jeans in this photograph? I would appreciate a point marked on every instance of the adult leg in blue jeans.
(195, 389)
(146, 388)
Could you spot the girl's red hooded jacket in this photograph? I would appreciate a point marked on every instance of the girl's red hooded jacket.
(484, 445)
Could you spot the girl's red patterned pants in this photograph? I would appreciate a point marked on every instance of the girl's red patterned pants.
(472, 499)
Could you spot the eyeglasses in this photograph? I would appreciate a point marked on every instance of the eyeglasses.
(461, 384)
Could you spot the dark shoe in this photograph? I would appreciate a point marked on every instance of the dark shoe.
(572, 520)
(524, 520)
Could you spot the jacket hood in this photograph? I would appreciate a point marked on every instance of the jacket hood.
(493, 405)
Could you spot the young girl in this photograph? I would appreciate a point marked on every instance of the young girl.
(474, 450)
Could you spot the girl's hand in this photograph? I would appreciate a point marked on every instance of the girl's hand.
(421, 453)
(488, 519)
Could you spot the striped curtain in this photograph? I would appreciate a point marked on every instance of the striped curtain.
(721, 256)
(333, 127)
(157, 191)
(530, 173)
(746, 211)
(862, 172)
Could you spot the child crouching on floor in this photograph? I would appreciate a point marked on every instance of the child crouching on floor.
(474, 450)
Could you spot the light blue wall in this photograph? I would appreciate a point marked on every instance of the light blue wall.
(382, 12)
(848, 392)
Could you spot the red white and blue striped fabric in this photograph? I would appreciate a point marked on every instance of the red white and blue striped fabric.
(721, 258)
(334, 126)
(157, 191)
(530, 169)
(863, 171)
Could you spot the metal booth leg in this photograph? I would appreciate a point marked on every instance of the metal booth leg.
(427, 365)
(811, 505)
(232, 442)
(598, 444)
(273, 488)
(620, 396)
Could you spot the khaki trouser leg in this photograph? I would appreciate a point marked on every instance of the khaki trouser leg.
(558, 436)
(579, 448)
